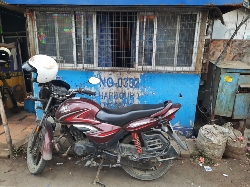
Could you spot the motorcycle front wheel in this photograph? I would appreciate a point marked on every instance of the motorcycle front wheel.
(156, 172)
(35, 162)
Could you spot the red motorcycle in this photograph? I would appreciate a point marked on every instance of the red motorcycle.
(135, 137)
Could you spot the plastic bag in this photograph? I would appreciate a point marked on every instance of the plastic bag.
(235, 147)
(212, 140)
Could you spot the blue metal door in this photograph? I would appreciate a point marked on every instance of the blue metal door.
(226, 94)
(242, 98)
(241, 106)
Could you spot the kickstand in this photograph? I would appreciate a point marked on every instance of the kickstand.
(96, 181)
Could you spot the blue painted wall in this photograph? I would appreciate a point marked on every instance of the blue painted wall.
(125, 2)
(120, 89)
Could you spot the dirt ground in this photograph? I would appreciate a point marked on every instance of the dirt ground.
(183, 173)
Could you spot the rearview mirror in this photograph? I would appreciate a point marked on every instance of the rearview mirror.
(94, 80)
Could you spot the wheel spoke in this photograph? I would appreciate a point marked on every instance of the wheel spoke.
(155, 170)
(37, 151)
(35, 162)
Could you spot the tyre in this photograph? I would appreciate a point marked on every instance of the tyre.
(159, 169)
(35, 162)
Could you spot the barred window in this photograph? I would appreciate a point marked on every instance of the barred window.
(55, 36)
(84, 38)
(132, 40)
(175, 39)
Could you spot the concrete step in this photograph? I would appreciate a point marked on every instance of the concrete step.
(20, 127)
(190, 144)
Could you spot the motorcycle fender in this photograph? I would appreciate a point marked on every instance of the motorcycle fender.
(174, 136)
(47, 143)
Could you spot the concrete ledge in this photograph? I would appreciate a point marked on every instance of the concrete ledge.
(4, 154)
(20, 127)
(184, 153)
(190, 144)
(18, 143)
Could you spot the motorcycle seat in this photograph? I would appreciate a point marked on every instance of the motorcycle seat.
(122, 116)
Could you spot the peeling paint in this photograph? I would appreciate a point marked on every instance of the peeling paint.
(118, 89)
(183, 131)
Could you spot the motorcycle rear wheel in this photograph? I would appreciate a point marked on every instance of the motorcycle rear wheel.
(35, 162)
(158, 171)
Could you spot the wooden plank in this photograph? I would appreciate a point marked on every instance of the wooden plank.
(201, 41)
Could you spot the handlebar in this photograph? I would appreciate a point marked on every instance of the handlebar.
(35, 98)
(79, 90)
(83, 91)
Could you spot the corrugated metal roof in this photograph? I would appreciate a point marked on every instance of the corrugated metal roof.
(131, 2)
(11, 7)
(232, 65)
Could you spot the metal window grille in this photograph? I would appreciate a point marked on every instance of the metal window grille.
(55, 36)
(243, 89)
(84, 38)
(124, 40)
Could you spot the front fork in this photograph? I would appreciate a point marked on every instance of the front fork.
(47, 147)
(42, 140)
(47, 133)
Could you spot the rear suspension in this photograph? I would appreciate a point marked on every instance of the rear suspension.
(137, 142)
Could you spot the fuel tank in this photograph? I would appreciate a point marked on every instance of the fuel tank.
(77, 110)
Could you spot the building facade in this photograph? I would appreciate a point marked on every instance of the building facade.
(143, 51)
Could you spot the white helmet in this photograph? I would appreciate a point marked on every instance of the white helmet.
(45, 67)
(4, 54)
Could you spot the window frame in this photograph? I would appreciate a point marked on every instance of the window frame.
(95, 46)
(195, 46)
(174, 67)
(153, 67)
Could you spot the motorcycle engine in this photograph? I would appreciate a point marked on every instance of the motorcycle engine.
(84, 147)
(82, 144)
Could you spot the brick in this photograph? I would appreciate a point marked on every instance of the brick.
(15, 132)
(20, 126)
(3, 138)
(21, 135)
(18, 143)
(28, 120)
(4, 154)
(1, 131)
(23, 125)
(31, 116)
(11, 125)
(29, 128)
